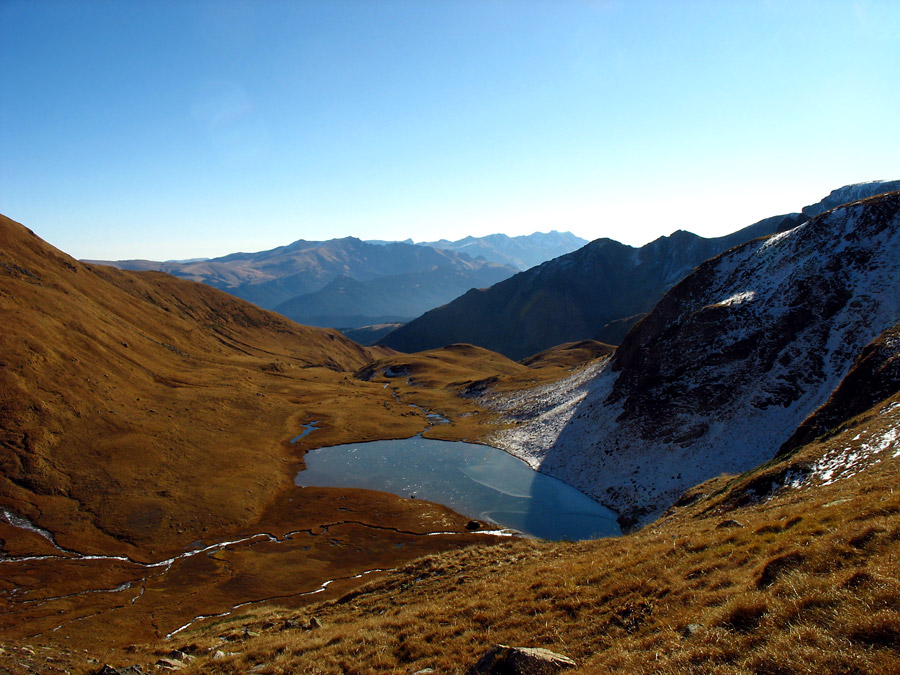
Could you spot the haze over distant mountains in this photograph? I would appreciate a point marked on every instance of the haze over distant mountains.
(348, 283)
(597, 292)
(523, 252)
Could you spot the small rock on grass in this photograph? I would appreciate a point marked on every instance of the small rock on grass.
(691, 629)
(170, 664)
(127, 670)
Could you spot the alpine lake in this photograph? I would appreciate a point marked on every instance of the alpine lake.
(479, 481)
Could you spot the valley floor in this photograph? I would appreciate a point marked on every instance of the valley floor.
(801, 580)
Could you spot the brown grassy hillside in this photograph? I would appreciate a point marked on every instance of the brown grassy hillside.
(800, 580)
(133, 402)
(149, 418)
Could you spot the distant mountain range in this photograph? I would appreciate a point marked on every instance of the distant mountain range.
(349, 283)
(597, 292)
(522, 252)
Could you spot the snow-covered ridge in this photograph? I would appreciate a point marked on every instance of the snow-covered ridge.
(725, 367)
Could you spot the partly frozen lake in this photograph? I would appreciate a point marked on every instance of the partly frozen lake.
(476, 480)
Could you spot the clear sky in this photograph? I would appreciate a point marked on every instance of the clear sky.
(171, 129)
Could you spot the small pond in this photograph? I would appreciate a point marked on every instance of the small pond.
(475, 480)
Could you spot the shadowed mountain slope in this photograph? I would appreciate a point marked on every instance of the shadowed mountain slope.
(348, 303)
(728, 363)
(585, 294)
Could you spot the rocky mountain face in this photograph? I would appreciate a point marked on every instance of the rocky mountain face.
(270, 278)
(874, 376)
(728, 364)
(596, 292)
(522, 252)
(851, 193)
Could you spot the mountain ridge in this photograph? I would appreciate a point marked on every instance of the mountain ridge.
(597, 292)
(583, 294)
(269, 278)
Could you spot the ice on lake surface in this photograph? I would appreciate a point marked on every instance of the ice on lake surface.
(476, 480)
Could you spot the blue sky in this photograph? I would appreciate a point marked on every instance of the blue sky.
(172, 129)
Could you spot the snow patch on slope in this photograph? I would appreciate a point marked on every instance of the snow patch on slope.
(864, 451)
(542, 412)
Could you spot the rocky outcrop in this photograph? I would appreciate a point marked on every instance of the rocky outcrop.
(503, 660)
(850, 193)
(723, 370)
(874, 377)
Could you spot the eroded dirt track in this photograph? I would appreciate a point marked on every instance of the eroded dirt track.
(314, 544)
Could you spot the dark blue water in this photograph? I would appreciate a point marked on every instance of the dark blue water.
(478, 481)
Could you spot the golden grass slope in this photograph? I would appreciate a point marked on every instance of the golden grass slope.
(133, 402)
(802, 580)
(140, 412)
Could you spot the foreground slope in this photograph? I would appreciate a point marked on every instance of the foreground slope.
(726, 366)
(798, 578)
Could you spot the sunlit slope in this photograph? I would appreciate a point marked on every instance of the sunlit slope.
(140, 409)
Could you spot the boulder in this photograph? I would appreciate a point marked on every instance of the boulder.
(504, 660)
(127, 670)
